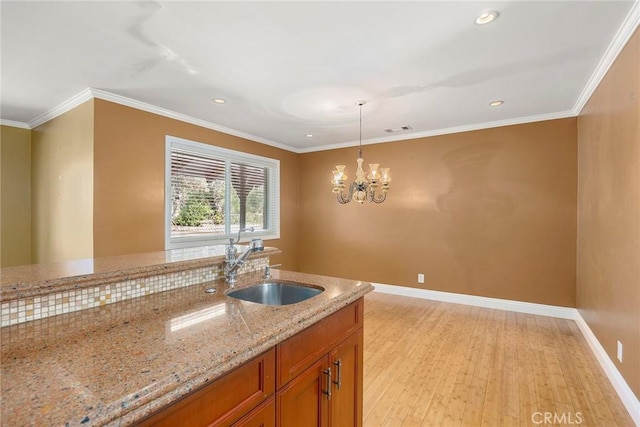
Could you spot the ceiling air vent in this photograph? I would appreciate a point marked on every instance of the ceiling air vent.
(400, 129)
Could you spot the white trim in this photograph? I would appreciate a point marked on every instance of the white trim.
(630, 401)
(139, 105)
(621, 38)
(14, 124)
(167, 191)
(628, 27)
(273, 232)
(90, 93)
(226, 153)
(495, 303)
(446, 131)
(625, 393)
(67, 105)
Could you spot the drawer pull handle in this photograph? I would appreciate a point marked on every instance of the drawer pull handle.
(327, 372)
(338, 381)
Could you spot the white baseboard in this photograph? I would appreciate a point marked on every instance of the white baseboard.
(496, 303)
(627, 396)
(623, 390)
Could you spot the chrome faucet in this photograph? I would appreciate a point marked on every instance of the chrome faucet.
(232, 263)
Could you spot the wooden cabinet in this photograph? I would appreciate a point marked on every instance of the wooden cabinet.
(320, 373)
(225, 400)
(301, 402)
(298, 352)
(313, 378)
(346, 398)
(262, 416)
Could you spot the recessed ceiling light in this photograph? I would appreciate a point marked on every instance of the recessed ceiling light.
(309, 135)
(487, 17)
(496, 103)
(219, 100)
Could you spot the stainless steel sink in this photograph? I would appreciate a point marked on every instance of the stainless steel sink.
(275, 293)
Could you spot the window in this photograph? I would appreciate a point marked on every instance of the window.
(212, 192)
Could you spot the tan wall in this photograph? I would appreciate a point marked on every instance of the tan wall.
(129, 180)
(608, 256)
(490, 212)
(62, 187)
(15, 196)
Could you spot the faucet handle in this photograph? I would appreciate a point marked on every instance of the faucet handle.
(256, 245)
(267, 270)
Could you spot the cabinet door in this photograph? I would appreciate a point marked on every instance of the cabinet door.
(346, 400)
(303, 402)
(297, 353)
(262, 416)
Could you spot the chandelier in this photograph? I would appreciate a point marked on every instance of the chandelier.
(363, 188)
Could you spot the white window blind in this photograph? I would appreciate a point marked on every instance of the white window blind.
(213, 192)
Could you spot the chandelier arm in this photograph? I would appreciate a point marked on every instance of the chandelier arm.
(352, 188)
(341, 199)
(346, 198)
(377, 198)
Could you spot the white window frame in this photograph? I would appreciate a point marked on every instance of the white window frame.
(273, 232)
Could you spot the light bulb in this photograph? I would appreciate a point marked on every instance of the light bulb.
(342, 176)
(374, 175)
(386, 175)
(336, 178)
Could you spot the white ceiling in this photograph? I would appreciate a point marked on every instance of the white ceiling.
(287, 69)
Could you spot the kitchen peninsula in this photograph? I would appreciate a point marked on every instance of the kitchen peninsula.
(125, 337)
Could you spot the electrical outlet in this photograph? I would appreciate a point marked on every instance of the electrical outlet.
(620, 351)
(420, 278)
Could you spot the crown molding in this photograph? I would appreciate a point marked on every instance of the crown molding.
(139, 105)
(91, 93)
(621, 38)
(14, 124)
(446, 131)
(630, 24)
(67, 105)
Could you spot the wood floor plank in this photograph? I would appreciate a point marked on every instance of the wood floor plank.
(429, 363)
(526, 381)
(491, 413)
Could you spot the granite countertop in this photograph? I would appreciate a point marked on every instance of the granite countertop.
(116, 364)
(34, 280)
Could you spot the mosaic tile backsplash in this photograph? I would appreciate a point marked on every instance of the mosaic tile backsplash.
(32, 308)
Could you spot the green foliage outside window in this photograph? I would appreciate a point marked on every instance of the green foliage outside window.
(199, 203)
(196, 209)
(255, 205)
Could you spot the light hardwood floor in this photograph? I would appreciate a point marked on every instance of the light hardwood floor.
(429, 363)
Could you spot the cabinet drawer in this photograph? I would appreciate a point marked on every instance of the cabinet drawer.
(300, 351)
(263, 416)
(225, 400)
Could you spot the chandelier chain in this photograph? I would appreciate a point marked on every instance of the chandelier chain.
(360, 103)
